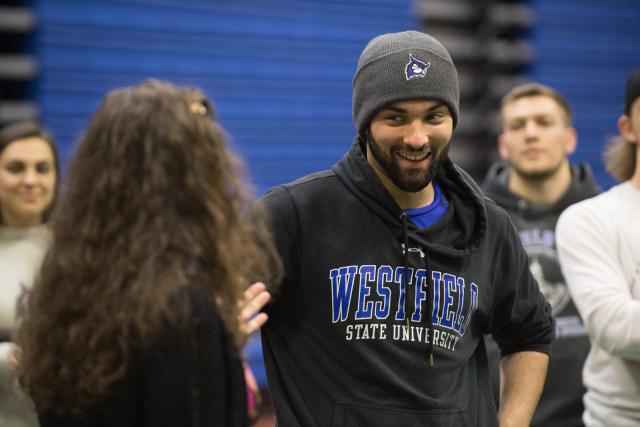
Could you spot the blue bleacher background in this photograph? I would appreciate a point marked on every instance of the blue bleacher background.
(279, 72)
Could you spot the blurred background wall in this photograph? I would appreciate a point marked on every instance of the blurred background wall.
(279, 71)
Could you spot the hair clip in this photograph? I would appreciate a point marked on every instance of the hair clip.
(198, 107)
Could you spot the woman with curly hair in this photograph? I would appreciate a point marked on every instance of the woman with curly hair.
(134, 321)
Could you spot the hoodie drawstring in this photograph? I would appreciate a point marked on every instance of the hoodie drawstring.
(405, 218)
(430, 303)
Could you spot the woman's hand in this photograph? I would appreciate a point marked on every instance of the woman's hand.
(253, 300)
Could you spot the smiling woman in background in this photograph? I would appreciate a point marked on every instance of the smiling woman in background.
(29, 172)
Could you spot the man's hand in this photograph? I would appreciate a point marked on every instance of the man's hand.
(253, 300)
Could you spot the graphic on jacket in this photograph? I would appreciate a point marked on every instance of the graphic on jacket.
(545, 267)
(361, 293)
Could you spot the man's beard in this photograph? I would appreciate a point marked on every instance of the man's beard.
(410, 180)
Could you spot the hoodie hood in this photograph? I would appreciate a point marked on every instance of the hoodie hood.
(457, 234)
(496, 186)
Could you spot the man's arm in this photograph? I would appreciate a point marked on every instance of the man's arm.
(523, 327)
(522, 376)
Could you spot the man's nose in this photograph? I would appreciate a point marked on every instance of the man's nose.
(416, 136)
(530, 129)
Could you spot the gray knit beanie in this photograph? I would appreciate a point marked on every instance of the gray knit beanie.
(399, 67)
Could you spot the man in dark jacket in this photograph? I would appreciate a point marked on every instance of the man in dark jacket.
(535, 182)
(396, 266)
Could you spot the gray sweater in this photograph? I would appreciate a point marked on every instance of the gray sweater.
(21, 252)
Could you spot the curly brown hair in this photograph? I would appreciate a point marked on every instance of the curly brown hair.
(154, 199)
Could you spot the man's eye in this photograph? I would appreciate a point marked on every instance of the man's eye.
(395, 119)
(516, 125)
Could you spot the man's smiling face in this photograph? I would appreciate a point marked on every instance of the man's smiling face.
(407, 141)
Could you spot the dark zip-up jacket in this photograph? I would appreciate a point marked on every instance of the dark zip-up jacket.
(561, 401)
(347, 344)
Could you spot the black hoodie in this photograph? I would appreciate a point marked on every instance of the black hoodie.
(561, 401)
(337, 347)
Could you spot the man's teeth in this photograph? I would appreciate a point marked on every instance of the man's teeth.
(414, 157)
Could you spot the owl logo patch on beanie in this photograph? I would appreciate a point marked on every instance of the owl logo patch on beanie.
(416, 68)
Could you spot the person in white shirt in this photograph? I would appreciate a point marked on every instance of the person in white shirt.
(598, 243)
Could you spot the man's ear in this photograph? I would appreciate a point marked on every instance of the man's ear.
(626, 129)
(572, 141)
(502, 148)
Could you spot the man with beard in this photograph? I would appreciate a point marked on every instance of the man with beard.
(396, 266)
(535, 182)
